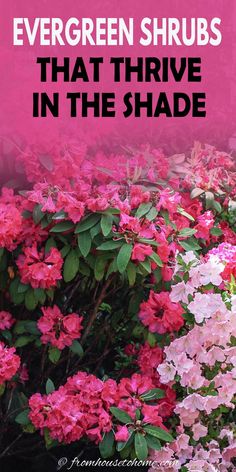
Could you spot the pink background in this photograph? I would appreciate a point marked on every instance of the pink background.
(20, 75)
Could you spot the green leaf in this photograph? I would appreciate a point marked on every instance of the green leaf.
(217, 206)
(49, 244)
(23, 341)
(143, 209)
(99, 269)
(140, 445)
(31, 327)
(121, 415)
(106, 446)
(187, 232)
(76, 348)
(65, 250)
(61, 227)
(22, 288)
(153, 443)
(84, 243)
(146, 266)
(124, 257)
(121, 445)
(151, 215)
(190, 245)
(17, 298)
(216, 231)
(131, 273)
(153, 394)
(19, 327)
(30, 300)
(37, 214)
(155, 258)
(158, 433)
(71, 266)
(60, 215)
(49, 442)
(54, 354)
(84, 268)
(110, 245)
(40, 295)
(184, 213)
(23, 417)
(50, 387)
(106, 224)
(87, 223)
(95, 230)
(158, 275)
(151, 339)
(7, 335)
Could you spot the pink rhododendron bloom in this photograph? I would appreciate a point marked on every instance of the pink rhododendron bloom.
(11, 225)
(204, 224)
(122, 433)
(160, 314)
(59, 330)
(140, 252)
(138, 196)
(38, 269)
(149, 358)
(79, 408)
(6, 320)
(9, 363)
(168, 201)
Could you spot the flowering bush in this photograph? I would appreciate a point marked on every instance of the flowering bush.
(118, 285)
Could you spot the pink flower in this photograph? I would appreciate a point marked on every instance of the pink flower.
(160, 314)
(169, 201)
(9, 363)
(181, 291)
(79, 408)
(167, 372)
(199, 431)
(122, 434)
(149, 358)
(141, 251)
(23, 373)
(6, 320)
(39, 269)
(11, 225)
(204, 224)
(59, 330)
(206, 305)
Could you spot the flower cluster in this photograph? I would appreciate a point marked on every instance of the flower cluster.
(143, 247)
(57, 329)
(6, 320)
(9, 363)
(203, 361)
(81, 407)
(40, 269)
(160, 314)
